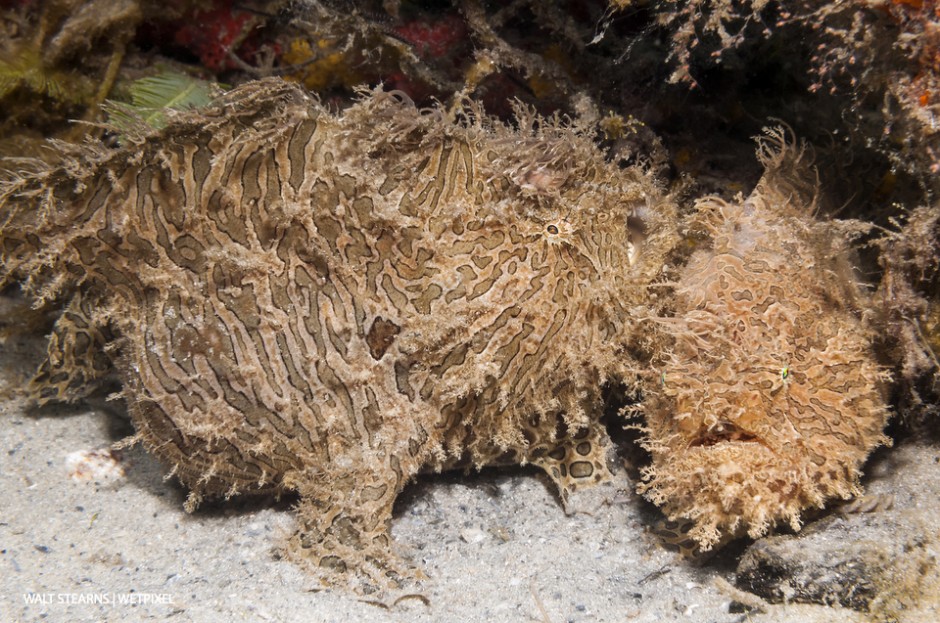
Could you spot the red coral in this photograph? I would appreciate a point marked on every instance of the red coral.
(213, 34)
(435, 40)
(443, 42)
(911, 3)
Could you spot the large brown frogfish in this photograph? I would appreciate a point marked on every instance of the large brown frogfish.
(296, 300)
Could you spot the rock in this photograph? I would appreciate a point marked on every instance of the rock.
(875, 563)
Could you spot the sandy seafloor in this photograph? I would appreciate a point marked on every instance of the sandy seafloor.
(496, 545)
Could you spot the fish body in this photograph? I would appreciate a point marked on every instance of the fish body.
(770, 396)
(297, 300)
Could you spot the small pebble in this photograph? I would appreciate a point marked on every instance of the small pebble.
(472, 535)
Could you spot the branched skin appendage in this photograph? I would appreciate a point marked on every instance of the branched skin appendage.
(296, 300)
(767, 399)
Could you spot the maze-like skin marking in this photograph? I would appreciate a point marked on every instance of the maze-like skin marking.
(76, 362)
(768, 399)
(296, 300)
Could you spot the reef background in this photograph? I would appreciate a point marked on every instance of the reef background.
(680, 85)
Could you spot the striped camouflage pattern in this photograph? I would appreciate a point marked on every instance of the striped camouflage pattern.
(296, 300)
